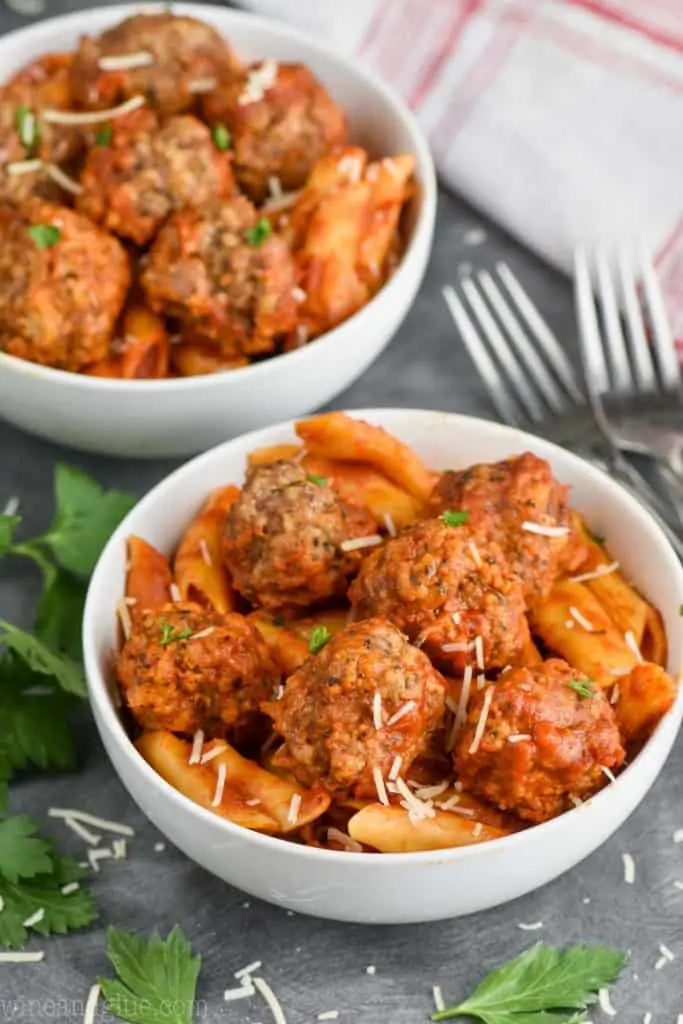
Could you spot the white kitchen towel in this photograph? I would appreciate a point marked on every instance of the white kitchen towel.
(560, 119)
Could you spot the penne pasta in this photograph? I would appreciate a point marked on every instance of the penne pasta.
(338, 436)
(198, 566)
(390, 183)
(644, 697)
(561, 621)
(148, 583)
(250, 796)
(390, 830)
(194, 360)
(288, 650)
(622, 602)
(145, 353)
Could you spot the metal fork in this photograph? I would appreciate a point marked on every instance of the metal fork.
(633, 384)
(531, 381)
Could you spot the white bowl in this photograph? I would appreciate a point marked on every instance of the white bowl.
(387, 888)
(184, 416)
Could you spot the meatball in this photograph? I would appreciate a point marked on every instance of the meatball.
(328, 713)
(63, 282)
(212, 271)
(456, 598)
(500, 498)
(186, 668)
(284, 535)
(25, 136)
(281, 119)
(564, 733)
(183, 57)
(133, 181)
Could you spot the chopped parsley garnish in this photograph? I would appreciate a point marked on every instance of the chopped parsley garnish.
(169, 635)
(221, 137)
(259, 233)
(44, 235)
(319, 638)
(453, 518)
(319, 481)
(584, 687)
(27, 127)
(103, 137)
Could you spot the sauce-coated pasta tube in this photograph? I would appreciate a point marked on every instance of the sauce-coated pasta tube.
(198, 567)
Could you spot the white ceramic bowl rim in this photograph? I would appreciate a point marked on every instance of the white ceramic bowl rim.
(99, 692)
(427, 212)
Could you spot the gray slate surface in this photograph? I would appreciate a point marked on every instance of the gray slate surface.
(314, 965)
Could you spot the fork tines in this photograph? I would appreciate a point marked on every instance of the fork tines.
(518, 356)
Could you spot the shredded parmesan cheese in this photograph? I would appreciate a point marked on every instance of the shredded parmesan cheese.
(404, 710)
(395, 768)
(476, 557)
(204, 632)
(299, 295)
(273, 1004)
(456, 618)
(204, 551)
(90, 1013)
(219, 749)
(351, 167)
(174, 590)
(197, 744)
(69, 888)
(678, 835)
(126, 61)
(545, 531)
(328, 1015)
(479, 652)
(448, 805)
(92, 116)
(259, 81)
(124, 618)
(620, 671)
(253, 802)
(294, 808)
(94, 856)
(380, 786)
(63, 179)
(647, 1019)
(605, 1003)
(244, 972)
(390, 525)
(243, 991)
(633, 644)
(519, 737)
(429, 792)
(335, 835)
(202, 85)
(477, 830)
(454, 648)
(608, 772)
(22, 167)
(371, 969)
(678, 885)
(530, 927)
(581, 619)
(91, 819)
(12, 506)
(22, 958)
(361, 542)
(220, 785)
(35, 918)
(602, 570)
(437, 996)
(377, 710)
(119, 846)
(481, 724)
(159, 847)
(666, 953)
(274, 187)
(461, 713)
(576, 800)
(615, 694)
(418, 810)
(629, 868)
(82, 832)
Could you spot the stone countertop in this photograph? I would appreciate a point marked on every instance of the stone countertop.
(314, 965)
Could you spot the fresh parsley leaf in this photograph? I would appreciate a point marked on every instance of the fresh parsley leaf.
(318, 639)
(103, 137)
(453, 518)
(8, 525)
(27, 127)
(221, 137)
(61, 914)
(584, 687)
(42, 659)
(59, 615)
(259, 233)
(86, 517)
(169, 635)
(543, 979)
(44, 235)
(22, 853)
(320, 481)
(155, 975)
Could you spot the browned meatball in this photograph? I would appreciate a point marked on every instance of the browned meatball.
(133, 181)
(547, 736)
(25, 135)
(186, 668)
(212, 271)
(63, 282)
(284, 535)
(328, 714)
(446, 591)
(500, 498)
(281, 119)
(185, 56)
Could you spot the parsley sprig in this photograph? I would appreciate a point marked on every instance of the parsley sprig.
(157, 978)
(319, 637)
(169, 635)
(584, 687)
(32, 875)
(453, 517)
(541, 986)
